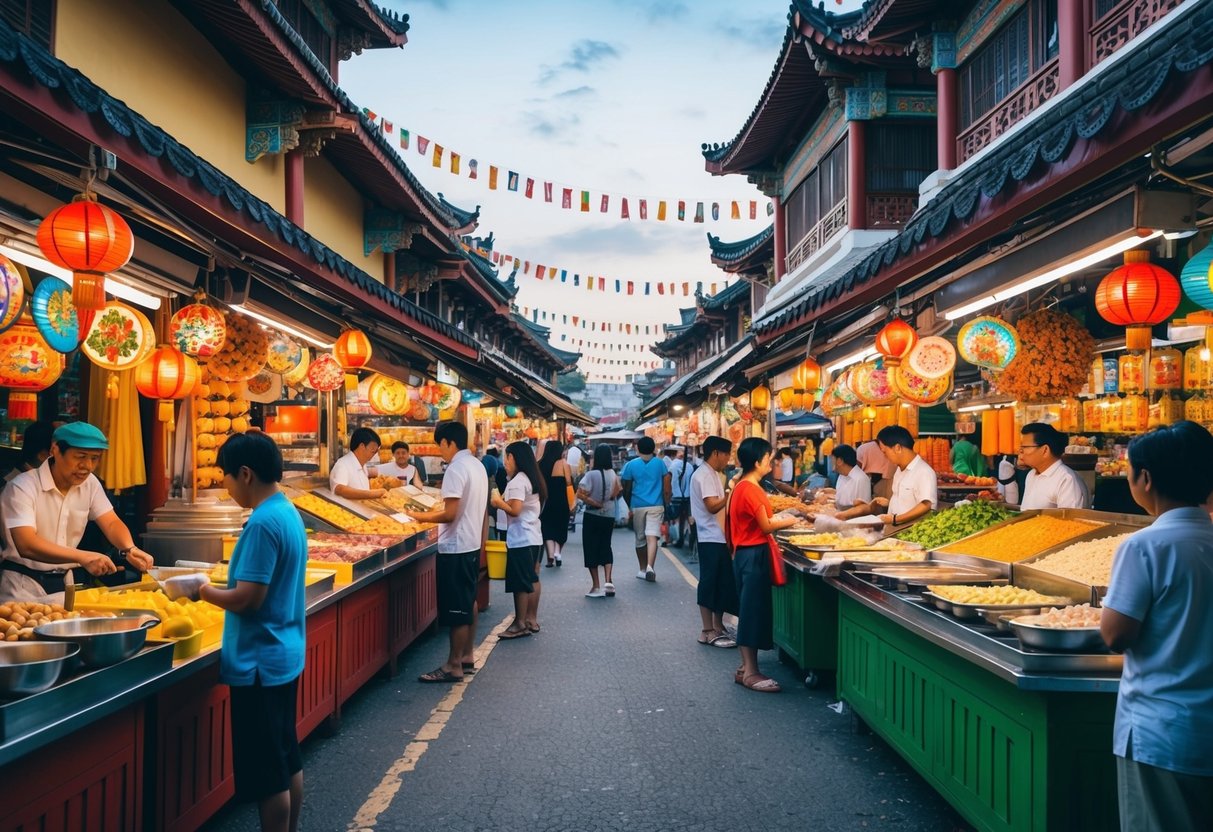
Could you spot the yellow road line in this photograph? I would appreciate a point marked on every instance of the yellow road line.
(686, 573)
(381, 797)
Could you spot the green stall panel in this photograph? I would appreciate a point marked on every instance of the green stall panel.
(806, 621)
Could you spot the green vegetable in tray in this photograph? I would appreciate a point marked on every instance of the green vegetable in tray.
(952, 524)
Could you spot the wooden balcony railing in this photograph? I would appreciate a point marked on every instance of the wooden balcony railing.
(831, 224)
(1123, 23)
(890, 210)
(1014, 108)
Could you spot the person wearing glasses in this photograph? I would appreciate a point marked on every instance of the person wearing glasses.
(1051, 483)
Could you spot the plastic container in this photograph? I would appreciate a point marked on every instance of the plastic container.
(494, 552)
(1132, 373)
(1166, 370)
(1198, 372)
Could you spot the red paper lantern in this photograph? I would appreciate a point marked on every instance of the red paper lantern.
(896, 340)
(1137, 295)
(91, 240)
(167, 374)
(352, 350)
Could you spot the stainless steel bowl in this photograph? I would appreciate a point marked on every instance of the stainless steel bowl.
(1077, 640)
(28, 667)
(103, 641)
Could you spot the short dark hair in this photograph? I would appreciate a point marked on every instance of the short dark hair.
(1177, 458)
(492, 451)
(895, 435)
(255, 451)
(646, 445)
(400, 446)
(713, 444)
(751, 451)
(363, 436)
(36, 440)
(845, 454)
(454, 432)
(1043, 433)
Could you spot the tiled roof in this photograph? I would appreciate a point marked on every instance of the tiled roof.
(465, 217)
(733, 293)
(541, 335)
(732, 252)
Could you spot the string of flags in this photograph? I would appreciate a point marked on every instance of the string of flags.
(594, 325)
(612, 362)
(568, 197)
(594, 283)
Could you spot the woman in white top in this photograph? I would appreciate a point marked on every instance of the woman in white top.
(522, 501)
(599, 489)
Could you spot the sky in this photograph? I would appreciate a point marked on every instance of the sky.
(612, 96)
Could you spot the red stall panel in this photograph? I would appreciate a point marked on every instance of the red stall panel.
(193, 752)
(90, 781)
(318, 685)
(362, 636)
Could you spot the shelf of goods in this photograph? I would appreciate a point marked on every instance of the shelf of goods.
(1013, 736)
(117, 730)
(220, 410)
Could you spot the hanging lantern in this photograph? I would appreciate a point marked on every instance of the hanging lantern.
(1196, 279)
(167, 374)
(353, 349)
(120, 338)
(198, 329)
(91, 240)
(387, 395)
(285, 355)
(787, 399)
(895, 341)
(1137, 296)
(869, 413)
(512, 411)
(295, 377)
(760, 398)
(806, 379)
(51, 308)
(13, 292)
(325, 374)
(27, 365)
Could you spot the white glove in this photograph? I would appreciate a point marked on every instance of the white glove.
(185, 586)
(827, 567)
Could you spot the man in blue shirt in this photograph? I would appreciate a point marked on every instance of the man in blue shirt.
(646, 488)
(1159, 611)
(263, 630)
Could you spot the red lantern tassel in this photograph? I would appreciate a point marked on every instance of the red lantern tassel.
(88, 290)
(23, 406)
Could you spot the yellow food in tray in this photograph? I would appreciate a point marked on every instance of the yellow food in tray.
(994, 596)
(1017, 541)
(203, 616)
(821, 540)
(874, 555)
(384, 525)
(328, 512)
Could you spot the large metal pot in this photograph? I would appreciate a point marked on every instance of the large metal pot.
(1057, 640)
(102, 641)
(28, 667)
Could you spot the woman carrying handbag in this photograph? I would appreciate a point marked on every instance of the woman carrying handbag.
(757, 564)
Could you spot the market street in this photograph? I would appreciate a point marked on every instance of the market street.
(612, 717)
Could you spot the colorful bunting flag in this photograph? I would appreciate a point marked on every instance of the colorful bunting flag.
(682, 210)
(511, 181)
(471, 168)
(585, 201)
(547, 191)
(661, 211)
(423, 145)
(623, 213)
(530, 187)
(454, 162)
(699, 212)
(605, 199)
(753, 209)
(566, 199)
(404, 139)
(492, 177)
(736, 214)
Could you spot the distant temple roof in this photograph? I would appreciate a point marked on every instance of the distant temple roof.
(731, 294)
(464, 217)
(748, 256)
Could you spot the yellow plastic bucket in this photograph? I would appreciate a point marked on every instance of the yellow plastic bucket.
(494, 551)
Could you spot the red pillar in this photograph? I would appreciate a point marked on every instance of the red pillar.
(857, 190)
(1071, 41)
(389, 270)
(781, 241)
(945, 131)
(294, 187)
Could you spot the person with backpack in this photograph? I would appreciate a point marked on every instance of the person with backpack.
(599, 489)
(681, 472)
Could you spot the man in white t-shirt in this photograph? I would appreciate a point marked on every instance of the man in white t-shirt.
(717, 591)
(462, 534)
(1051, 483)
(401, 467)
(915, 483)
(349, 476)
(680, 488)
(854, 486)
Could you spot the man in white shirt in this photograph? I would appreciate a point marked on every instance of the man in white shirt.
(854, 487)
(349, 477)
(464, 530)
(1051, 483)
(915, 483)
(874, 463)
(680, 483)
(717, 592)
(45, 512)
(787, 467)
(573, 457)
(401, 467)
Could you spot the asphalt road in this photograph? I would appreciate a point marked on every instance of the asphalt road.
(612, 717)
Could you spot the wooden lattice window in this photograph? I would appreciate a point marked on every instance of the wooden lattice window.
(821, 190)
(1008, 59)
(309, 27)
(35, 18)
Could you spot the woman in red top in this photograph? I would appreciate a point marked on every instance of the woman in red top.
(750, 524)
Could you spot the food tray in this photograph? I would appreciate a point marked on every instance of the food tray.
(347, 573)
(211, 635)
(1024, 569)
(1000, 617)
(901, 577)
(973, 610)
(1057, 639)
(1005, 566)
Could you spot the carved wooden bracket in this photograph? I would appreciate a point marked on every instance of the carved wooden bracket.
(387, 231)
(867, 98)
(271, 127)
(414, 274)
(320, 126)
(351, 42)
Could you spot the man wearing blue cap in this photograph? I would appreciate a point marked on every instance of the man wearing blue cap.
(45, 512)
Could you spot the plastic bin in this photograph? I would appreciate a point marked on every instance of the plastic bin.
(495, 553)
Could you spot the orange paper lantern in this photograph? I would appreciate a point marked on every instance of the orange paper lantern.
(353, 349)
(1137, 295)
(896, 340)
(167, 374)
(91, 240)
(760, 398)
(807, 377)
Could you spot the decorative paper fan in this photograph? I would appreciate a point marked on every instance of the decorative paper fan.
(120, 338)
(932, 357)
(869, 382)
(285, 355)
(15, 291)
(924, 392)
(388, 396)
(325, 374)
(26, 362)
(198, 329)
(54, 315)
(988, 342)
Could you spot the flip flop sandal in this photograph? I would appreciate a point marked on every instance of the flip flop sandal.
(439, 675)
(534, 628)
(738, 676)
(511, 634)
(705, 637)
(761, 684)
(723, 641)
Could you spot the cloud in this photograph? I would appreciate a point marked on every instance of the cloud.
(764, 33)
(548, 126)
(658, 11)
(692, 112)
(584, 55)
(576, 92)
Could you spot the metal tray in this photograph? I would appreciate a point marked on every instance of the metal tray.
(321, 587)
(80, 690)
(1026, 570)
(1064, 513)
(1074, 640)
(974, 610)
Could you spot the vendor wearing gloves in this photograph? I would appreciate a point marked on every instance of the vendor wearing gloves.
(915, 484)
(1051, 483)
(349, 477)
(45, 511)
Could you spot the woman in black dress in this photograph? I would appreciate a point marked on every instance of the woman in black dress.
(555, 516)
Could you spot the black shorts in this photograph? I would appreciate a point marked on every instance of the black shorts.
(265, 747)
(521, 574)
(717, 586)
(457, 575)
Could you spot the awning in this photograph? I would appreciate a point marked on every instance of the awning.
(704, 376)
(735, 356)
(525, 382)
(802, 421)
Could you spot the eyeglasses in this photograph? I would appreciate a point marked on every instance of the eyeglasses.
(1027, 447)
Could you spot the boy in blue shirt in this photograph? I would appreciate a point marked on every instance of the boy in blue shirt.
(646, 488)
(263, 630)
(1159, 611)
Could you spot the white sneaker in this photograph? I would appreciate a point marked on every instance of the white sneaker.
(650, 575)
(640, 575)
(595, 593)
